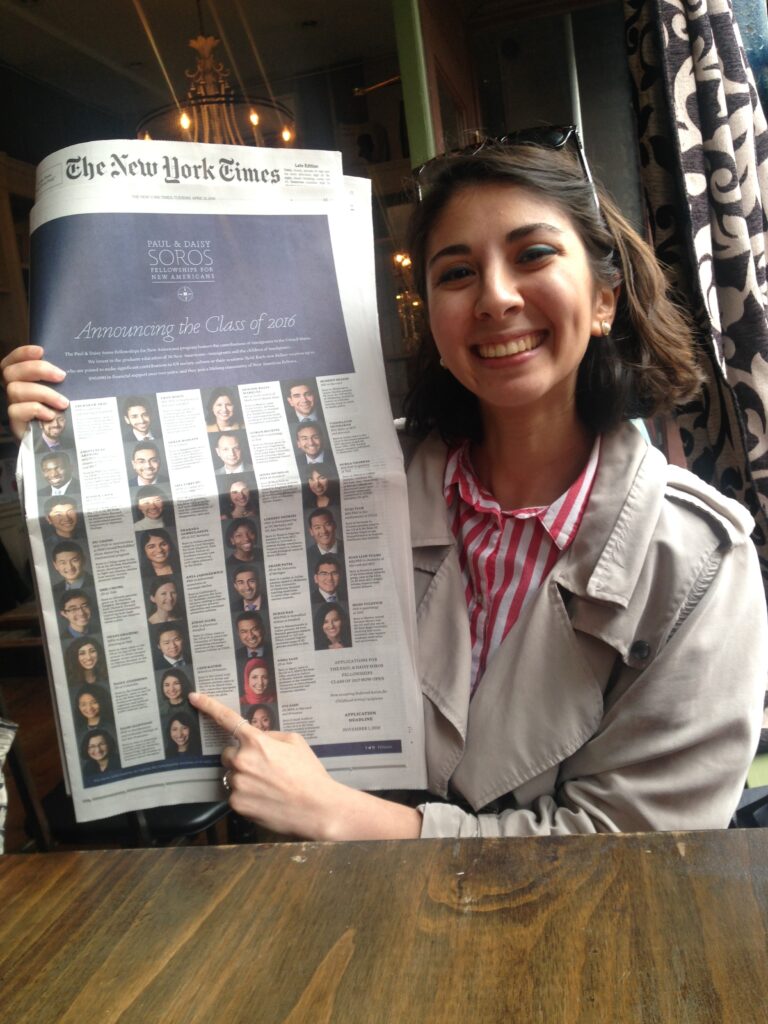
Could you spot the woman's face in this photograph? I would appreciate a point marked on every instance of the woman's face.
(318, 483)
(260, 720)
(332, 626)
(97, 748)
(87, 657)
(243, 540)
(258, 680)
(88, 706)
(239, 494)
(512, 301)
(165, 597)
(223, 409)
(179, 734)
(157, 550)
(172, 689)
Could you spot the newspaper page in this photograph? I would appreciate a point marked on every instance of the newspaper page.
(222, 507)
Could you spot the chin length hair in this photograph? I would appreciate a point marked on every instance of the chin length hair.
(646, 365)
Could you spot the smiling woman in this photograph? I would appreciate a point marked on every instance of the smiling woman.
(591, 622)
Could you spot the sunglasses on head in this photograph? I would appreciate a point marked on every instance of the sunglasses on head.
(548, 136)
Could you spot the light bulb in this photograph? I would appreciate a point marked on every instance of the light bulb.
(184, 120)
(287, 134)
(253, 117)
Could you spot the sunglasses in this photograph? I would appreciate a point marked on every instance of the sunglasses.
(548, 136)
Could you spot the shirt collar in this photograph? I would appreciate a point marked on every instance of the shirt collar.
(560, 519)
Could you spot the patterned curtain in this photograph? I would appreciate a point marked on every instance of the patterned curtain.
(704, 168)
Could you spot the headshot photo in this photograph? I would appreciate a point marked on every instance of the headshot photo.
(77, 614)
(62, 518)
(323, 533)
(251, 637)
(69, 563)
(262, 717)
(170, 646)
(52, 435)
(241, 538)
(146, 464)
(182, 735)
(98, 751)
(320, 489)
(239, 498)
(56, 475)
(222, 410)
(152, 508)
(246, 591)
(85, 663)
(230, 453)
(157, 553)
(332, 629)
(312, 447)
(301, 402)
(328, 581)
(257, 684)
(140, 419)
(174, 688)
(164, 600)
(91, 709)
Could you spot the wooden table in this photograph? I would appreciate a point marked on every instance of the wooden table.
(666, 928)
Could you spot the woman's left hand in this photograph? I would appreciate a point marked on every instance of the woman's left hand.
(276, 780)
(274, 777)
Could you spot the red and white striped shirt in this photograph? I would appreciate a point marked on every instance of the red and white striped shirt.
(505, 556)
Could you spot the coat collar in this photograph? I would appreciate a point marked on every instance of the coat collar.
(510, 734)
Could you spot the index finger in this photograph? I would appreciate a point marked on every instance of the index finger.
(22, 354)
(220, 713)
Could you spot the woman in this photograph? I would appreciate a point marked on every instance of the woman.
(320, 490)
(332, 632)
(175, 688)
(157, 554)
(85, 662)
(163, 594)
(257, 683)
(240, 500)
(590, 602)
(99, 754)
(222, 411)
(262, 717)
(92, 706)
(242, 538)
(181, 736)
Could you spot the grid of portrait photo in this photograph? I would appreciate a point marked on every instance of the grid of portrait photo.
(323, 522)
(243, 546)
(74, 595)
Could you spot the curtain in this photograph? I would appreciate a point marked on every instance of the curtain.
(704, 169)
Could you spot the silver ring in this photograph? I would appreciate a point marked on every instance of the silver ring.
(225, 780)
(238, 727)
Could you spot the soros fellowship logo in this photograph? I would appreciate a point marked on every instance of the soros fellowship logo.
(180, 261)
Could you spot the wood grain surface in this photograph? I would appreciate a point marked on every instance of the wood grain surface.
(668, 928)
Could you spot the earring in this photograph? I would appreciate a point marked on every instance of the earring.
(605, 328)
(442, 362)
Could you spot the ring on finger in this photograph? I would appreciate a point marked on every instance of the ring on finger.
(226, 780)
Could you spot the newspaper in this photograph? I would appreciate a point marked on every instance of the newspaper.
(223, 505)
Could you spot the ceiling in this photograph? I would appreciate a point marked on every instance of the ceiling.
(98, 52)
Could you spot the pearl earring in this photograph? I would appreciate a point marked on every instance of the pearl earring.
(605, 328)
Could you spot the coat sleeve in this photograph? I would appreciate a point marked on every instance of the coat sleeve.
(675, 741)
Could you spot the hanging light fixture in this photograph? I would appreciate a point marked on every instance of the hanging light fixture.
(212, 111)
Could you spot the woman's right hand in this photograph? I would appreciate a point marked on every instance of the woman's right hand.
(29, 398)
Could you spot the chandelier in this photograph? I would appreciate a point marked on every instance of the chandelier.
(214, 112)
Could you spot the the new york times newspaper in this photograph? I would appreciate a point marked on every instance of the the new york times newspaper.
(223, 506)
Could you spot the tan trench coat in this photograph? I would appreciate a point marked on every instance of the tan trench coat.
(628, 697)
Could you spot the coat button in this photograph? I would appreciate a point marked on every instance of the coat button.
(640, 650)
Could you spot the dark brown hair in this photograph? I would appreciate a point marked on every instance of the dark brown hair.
(646, 364)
